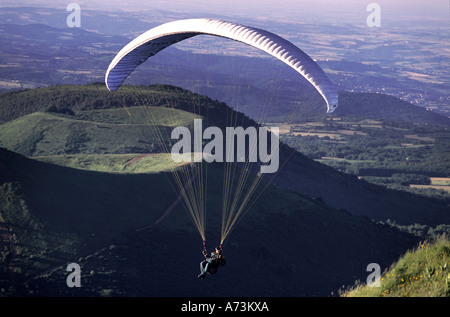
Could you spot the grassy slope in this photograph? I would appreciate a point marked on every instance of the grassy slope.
(92, 131)
(424, 271)
(299, 245)
(59, 214)
(102, 125)
(17, 104)
(114, 163)
(82, 212)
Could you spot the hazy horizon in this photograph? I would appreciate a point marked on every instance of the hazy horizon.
(392, 11)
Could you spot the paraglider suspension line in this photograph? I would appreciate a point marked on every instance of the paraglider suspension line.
(204, 248)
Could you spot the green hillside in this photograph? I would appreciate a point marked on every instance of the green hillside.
(114, 163)
(105, 222)
(55, 214)
(380, 106)
(114, 131)
(91, 120)
(422, 272)
(95, 181)
(67, 99)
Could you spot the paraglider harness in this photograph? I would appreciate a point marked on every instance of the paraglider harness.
(211, 263)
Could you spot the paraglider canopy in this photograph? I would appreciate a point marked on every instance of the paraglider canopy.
(239, 184)
(160, 37)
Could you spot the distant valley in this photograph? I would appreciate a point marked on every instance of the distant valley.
(355, 58)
